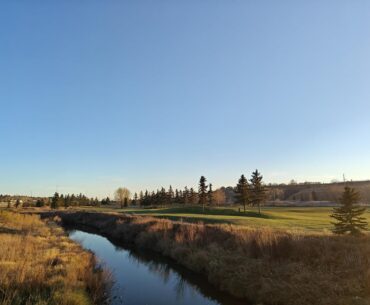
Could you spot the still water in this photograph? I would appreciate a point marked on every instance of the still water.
(148, 279)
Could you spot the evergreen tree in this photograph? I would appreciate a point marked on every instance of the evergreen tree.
(141, 198)
(17, 203)
(192, 196)
(186, 195)
(73, 200)
(243, 192)
(181, 196)
(66, 201)
(40, 203)
(134, 201)
(163, 196)
(55, 201)
(202, 191)
(170, 195)
(258, 191)
(210, 195)
(348, 215)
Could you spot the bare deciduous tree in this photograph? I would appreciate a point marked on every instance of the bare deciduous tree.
(122, 195)
(219, 197)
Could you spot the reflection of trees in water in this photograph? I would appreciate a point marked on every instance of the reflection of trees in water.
(183, 278)
(167, 269)
(180, 287)
(161, 269)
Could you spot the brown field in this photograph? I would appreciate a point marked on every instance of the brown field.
(265, 266)
(40, 265)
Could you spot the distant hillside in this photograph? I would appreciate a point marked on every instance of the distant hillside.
(308, 192)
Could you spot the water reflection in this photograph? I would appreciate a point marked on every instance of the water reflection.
(143, 278)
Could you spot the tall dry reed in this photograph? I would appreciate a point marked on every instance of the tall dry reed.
(40, 265)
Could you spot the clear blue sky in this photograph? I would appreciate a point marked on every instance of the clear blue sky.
(99, 94)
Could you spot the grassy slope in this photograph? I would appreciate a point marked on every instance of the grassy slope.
(297, 218)
(40, 265)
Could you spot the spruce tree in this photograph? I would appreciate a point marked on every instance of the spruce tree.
(348, 215)
(163, 196)
(210, 195)
(39, 203)
(202, 191)
(66, 201)
(141, 198)
(243, 192)
(257, 190)
(186, 195)
(134, 202)
(55, 201)
(170, 195)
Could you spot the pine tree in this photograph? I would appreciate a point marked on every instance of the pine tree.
(192, 196)
(40, 203)
(66, 201)
(162, 196)
(134, 202)
(202, 190)
(243, 192)
(348, 215)
(73, 199)
(141, 198)
(257, 190)
(210, 195)
(55, 201)
(170, 195)
(17, 203)
(186, 195)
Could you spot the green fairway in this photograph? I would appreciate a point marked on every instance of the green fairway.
(293, 218)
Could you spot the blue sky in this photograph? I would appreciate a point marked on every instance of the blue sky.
(100, 94)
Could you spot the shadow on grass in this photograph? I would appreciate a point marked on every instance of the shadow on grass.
(5, 230)
(199, 211)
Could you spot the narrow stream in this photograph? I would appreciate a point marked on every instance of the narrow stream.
(143, 278)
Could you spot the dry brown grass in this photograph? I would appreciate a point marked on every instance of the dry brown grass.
(40, 265)
(262, 265)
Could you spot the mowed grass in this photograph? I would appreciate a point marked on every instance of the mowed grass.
(292, 218)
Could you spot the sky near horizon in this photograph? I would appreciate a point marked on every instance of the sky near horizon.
(143, 94)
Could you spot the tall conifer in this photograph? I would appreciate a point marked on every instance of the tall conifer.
(202, 191)
(348, 215)
(258, 190)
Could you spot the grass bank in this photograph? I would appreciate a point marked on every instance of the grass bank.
(262, 265)
(40, 265)
(313, 219)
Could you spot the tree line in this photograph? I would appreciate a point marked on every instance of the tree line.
(250, 192)
(73, 200)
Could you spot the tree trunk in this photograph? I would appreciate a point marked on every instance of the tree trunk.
(259, 208)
